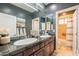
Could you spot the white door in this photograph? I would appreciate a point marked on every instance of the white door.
(75, 32)
(77, 44)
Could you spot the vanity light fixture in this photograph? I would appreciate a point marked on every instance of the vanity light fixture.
(31, 6)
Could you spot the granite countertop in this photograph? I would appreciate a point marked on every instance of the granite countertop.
(9, 49)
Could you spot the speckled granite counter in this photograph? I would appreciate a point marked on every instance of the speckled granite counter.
(11, 49)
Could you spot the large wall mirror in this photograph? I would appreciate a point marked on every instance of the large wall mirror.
(46, 24)
(12, 25)
(42, 25)
(7, 24)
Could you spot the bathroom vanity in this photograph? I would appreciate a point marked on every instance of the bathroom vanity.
(42, 47)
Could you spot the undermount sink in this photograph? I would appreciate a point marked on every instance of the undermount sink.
(26, 41)
(45, 36)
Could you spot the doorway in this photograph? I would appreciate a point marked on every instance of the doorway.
(66, 26)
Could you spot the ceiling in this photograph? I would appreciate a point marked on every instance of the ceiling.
(31, 7)
(46, 10)
(46, 3)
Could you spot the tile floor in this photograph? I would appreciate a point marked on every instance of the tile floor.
(63, 51)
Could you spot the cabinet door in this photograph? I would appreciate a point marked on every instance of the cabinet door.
(47, 41)
(51, 47)
(52, 38)
(39, 53)
(19, 54)
(41, 45)
(28, 52)
(46, 50)
(35, 47)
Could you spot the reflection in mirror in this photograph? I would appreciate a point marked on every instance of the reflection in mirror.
(35, 27)
(7, 28)
(8, 22)
(47, 25)
(20, 27)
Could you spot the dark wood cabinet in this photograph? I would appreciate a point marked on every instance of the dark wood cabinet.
(39, 53)
(51, 47)
(46, 42)
(19, 54)
(41, 45)
(36, 47)
(44, 48)
(28, 52)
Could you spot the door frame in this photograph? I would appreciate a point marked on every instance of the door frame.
(60, 11)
